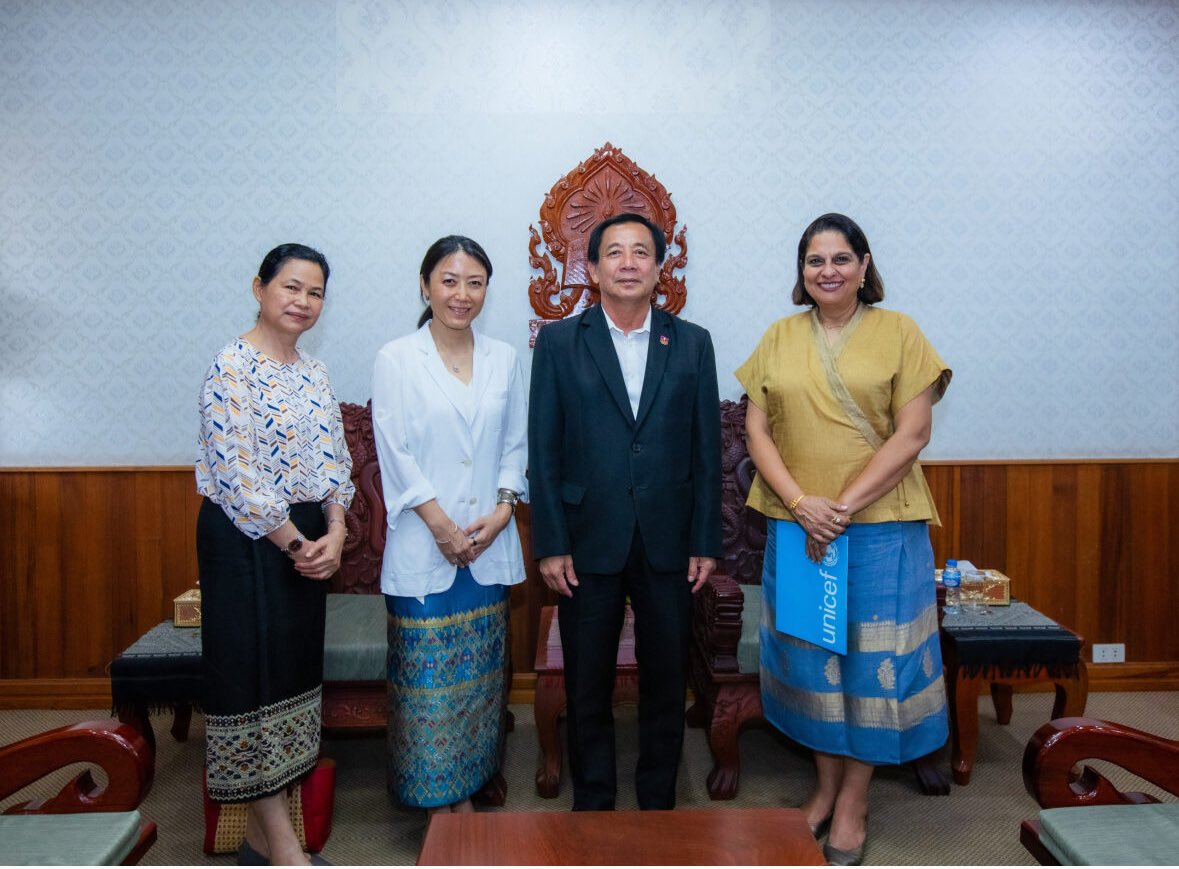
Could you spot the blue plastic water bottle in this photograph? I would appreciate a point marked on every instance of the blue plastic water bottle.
(952, 582)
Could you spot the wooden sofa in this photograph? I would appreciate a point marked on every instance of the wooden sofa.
(1086, 818)
(84, 823)
(724, 667)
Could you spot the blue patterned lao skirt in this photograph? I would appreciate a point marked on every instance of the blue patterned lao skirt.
(447, 685)
(885, 701)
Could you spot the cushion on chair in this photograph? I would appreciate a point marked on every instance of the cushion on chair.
(749, 646)
(355, 641)
(1123, 835)
(83, 839)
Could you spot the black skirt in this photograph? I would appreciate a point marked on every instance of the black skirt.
(262, 626)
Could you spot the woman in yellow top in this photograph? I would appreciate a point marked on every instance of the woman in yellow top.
(840, 405)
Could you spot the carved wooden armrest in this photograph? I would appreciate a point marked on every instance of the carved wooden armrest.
(1056, 748)
(117, 748)
(717, 623)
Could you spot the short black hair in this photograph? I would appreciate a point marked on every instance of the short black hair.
(873, 289)
(274, 260)
(595, 239)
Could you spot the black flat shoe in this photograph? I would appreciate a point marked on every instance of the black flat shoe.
(839, 857)
(247, 856)
(316, 860)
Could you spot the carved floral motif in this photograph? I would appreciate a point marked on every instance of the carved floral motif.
(606, 183)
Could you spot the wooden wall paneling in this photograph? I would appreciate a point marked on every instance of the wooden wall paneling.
(943, 485)
(95, 557)
(90, 553)
(17, 527)
(982, 520)
(1087, 541)
(46, 579)
(1147, 601)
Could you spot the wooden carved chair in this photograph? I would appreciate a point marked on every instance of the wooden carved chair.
(84, 823)
(1087, 819)
(604, 184)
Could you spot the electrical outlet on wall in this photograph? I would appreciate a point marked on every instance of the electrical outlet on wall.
(1109, 653)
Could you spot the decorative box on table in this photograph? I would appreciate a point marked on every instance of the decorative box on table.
(188, 609)
(994, 590)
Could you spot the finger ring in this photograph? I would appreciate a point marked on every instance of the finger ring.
(835, 518)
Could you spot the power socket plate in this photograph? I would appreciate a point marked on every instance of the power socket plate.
(1109, 653)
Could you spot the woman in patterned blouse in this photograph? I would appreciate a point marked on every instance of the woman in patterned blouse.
(275, 472)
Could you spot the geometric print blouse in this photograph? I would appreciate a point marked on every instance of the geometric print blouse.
(271, 435)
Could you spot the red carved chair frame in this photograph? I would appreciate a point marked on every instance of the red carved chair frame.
(1055, 777)
(604, 184)
(118, 749)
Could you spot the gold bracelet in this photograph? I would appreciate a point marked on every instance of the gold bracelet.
(794, 504)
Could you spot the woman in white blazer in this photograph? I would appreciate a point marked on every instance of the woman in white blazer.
(450, 420)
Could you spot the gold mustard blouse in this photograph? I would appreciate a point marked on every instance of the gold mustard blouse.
(884, 361)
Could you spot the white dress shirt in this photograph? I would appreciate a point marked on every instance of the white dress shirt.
(632, 357)
(459, 443)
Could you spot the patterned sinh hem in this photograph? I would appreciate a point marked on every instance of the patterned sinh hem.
(258, 753)
(446, 695)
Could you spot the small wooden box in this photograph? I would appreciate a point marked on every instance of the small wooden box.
(188, 609)
(995, 589)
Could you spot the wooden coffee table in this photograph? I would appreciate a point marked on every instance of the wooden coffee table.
(693, 837)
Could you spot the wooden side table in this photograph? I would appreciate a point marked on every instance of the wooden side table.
(1013, 646)
(549, 700)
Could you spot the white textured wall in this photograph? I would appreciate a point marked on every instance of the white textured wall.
(1014, 164)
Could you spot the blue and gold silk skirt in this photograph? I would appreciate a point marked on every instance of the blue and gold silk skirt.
(447, 691)
(885, 701)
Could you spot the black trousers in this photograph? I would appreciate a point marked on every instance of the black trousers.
(591, 623)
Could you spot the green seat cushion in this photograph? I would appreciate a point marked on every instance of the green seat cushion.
(1112, 835)
(83, 839)
(355, 642)
(749, 646)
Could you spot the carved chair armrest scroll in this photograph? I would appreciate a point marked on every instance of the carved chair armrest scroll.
(118, 749)
(717, 623)
(1057, 747)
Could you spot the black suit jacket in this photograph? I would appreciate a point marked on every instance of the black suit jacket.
(595, 469)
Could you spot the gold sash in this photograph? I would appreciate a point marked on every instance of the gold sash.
(827, 355)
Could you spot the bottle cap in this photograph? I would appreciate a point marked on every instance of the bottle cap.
(951, 562)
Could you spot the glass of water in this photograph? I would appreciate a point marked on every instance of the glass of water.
(973, 584)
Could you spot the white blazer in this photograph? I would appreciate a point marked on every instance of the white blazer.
(437, 438)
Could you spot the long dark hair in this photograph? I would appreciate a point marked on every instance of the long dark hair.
(873, 289)
(443, 248)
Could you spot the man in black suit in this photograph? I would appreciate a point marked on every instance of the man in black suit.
(624, 480)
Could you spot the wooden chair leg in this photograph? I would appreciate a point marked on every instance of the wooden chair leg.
(547, 706)
(728, 713)
(964, 728)
(1001, 700)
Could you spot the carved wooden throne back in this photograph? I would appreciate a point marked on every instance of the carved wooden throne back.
(606, 183)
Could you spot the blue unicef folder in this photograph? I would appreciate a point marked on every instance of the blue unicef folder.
(811, 598)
